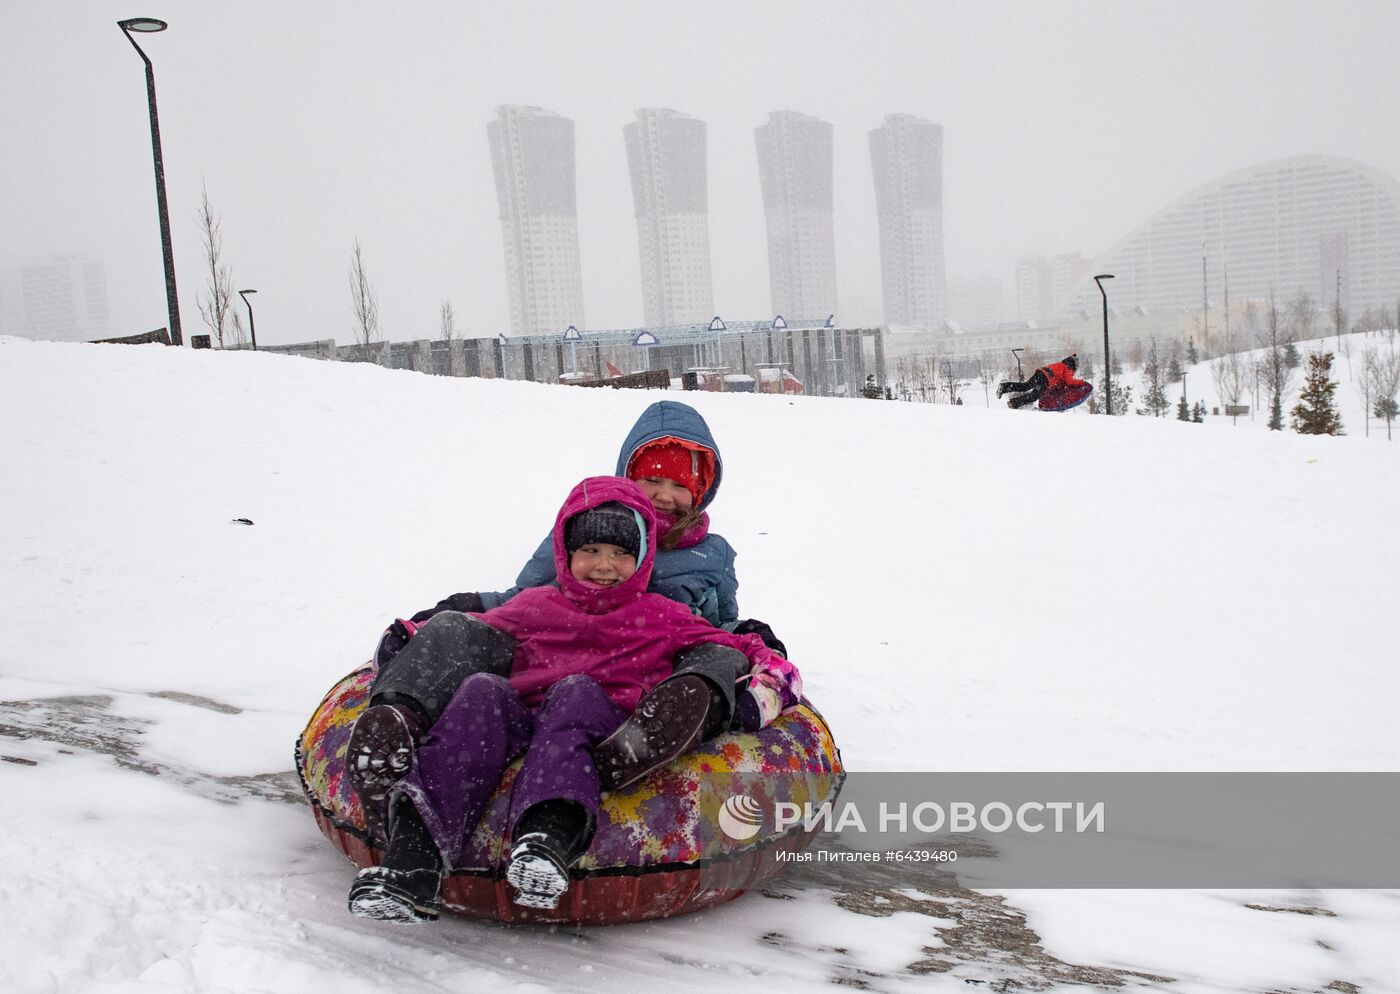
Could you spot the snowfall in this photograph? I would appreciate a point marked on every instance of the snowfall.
(965, 588)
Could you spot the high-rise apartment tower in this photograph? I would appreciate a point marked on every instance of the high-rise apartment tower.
(666, 156)
(795, 168)
(906, 154)
(532, 152)
(62, 298)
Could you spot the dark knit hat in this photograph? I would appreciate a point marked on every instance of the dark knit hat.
(1072, 361)
(610, 523)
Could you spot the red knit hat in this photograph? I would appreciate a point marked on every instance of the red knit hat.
(692, 468)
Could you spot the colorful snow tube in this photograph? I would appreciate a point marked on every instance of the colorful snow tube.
(1065, 397)
(665, 846)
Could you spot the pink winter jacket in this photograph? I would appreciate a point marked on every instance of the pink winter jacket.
(622, 636)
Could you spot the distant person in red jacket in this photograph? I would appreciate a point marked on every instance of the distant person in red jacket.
(1055, 377)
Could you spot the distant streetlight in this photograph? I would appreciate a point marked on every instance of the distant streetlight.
(572, 336)
(717, 326)
(252, 331)
(149, 25)
(1107, 361)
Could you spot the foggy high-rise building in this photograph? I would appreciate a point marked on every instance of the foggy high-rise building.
(975, 302)
(61, 299)
(666, 157)
(532, 152)
(1042, 281)
(795, 168)
(906, 154)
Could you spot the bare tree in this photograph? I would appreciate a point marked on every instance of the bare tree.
(1364, 378)
(1302, 315)
(216, 300)
(236, 336)
(1137, 354)
(904, 374)
(928, 379)
(988, 372)
(1277, 374)
(364, 304)
(1228, 372)
(448, 326)
(951, 383)
(1258, 378)
(1385, 384)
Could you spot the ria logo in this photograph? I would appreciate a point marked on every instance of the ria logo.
(740, 817)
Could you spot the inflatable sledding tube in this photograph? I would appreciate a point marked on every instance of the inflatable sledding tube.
(659, 849)
(1065, 397)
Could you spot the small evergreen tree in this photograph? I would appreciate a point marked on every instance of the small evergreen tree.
(1316, 412)
(1122, 398)
(1198, 413)
(1174, 370)
(1192, 356)
(1387, 410)
(1154, 385)
(1291, 358)
(1275, 411)
(1183, 413)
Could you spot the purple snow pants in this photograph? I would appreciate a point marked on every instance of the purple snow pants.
(485, 727)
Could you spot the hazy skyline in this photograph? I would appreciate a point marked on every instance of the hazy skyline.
(1065, 125)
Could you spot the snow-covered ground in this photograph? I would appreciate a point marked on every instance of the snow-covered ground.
(964, 589)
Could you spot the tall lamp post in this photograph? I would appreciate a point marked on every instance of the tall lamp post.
(252, 330)
(717, 326)
(149, 25)
(1107, 362)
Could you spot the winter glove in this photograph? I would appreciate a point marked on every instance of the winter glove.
(467, 603)
(755, 706)
(393, 640)
(752, 626)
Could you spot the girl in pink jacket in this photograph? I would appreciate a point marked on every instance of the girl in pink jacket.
(590, 678)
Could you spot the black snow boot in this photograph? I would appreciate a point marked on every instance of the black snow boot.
(546, 841)
(1002, 387)
(668, 722)
(382, 748)
(406, 886)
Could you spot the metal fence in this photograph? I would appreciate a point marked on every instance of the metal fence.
(824, 361)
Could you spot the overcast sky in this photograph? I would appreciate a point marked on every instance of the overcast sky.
(1066, 123)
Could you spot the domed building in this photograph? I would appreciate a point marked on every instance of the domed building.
(1290, 225)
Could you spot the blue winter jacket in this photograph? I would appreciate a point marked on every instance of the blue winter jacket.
(700, 575)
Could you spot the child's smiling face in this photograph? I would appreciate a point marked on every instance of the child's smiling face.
(601, 564)
(666, 495)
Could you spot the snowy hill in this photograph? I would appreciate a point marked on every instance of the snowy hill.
(963, 588)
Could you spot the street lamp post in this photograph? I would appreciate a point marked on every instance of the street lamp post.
(717, 326)
(1107, 362)
(571, 335)
(149, 25)
(252, 331)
